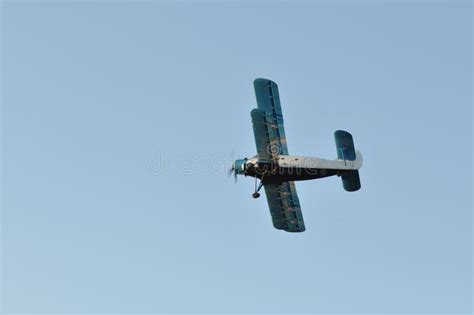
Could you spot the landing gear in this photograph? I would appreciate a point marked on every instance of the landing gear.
(257, 189)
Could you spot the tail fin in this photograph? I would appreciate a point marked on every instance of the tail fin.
(346, 151)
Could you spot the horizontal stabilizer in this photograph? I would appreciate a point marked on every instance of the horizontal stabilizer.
(346, 151)
(344, 145)
(351, 181)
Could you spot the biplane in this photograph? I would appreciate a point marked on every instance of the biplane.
(277, 171)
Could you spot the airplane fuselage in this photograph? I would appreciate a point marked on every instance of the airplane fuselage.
(296, 168)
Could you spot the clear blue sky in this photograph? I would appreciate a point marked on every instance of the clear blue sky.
(94, 92)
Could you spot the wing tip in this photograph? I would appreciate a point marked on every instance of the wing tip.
(298, 229)
(262, 81)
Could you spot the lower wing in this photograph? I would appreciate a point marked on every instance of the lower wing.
(284, 206)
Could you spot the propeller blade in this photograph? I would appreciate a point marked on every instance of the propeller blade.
(232, 171)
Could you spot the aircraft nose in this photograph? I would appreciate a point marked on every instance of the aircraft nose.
(239, 166)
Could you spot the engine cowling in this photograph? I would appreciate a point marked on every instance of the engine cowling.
(240, 166)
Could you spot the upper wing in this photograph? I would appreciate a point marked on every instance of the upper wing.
(267, 121)
(285, 207)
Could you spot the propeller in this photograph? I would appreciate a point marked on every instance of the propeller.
(232, 168)
(232, 171)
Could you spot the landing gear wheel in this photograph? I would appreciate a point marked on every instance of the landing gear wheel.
(255, 195)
